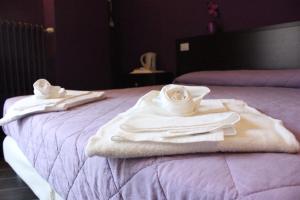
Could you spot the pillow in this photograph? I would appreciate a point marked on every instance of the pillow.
(258, 78)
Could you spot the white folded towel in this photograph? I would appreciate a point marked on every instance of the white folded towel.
(182, 100)
(149, 121)
(254, 132)
(154, 137)
(44, 90)
(160, 117)
(141, 122)
(42, 101)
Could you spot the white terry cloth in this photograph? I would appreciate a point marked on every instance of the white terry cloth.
(152, 122)
(44, 90)
(148, 121)
(213, 136)
(156, 128)
(256, 132)
(32, 104)
(141, 122)
(182, 100)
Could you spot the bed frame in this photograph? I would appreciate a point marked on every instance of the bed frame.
(270, 47)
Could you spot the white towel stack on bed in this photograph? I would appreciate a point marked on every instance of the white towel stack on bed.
(48, 98)
(176, 120)
(174, 117)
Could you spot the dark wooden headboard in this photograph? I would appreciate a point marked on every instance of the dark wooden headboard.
(271, 47)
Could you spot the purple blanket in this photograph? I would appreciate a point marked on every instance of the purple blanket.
(54, 143)
(260, 78)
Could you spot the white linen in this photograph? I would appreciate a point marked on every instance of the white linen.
(213, 136)
(141, 122)
(31, 105)
(155, 120)
(20, 164)
(157, 128)
(42, 89)
(256, 132)
(182, 100)
(184, 137)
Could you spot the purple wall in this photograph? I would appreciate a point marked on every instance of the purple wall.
(238, 14)
(82, 44)
(154, 25)
(24, 10)
(49, 13)
(49, 21)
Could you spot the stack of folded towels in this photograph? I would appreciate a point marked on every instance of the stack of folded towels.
(175, 116)
(178, 120)
(48, 98)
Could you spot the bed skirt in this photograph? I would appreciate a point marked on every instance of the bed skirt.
(20, 164)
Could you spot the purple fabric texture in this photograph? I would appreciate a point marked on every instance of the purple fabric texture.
(259, 78)
(54, 143)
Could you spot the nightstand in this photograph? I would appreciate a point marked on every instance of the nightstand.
(153, 78)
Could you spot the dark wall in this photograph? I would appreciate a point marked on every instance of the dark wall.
(83, 47)
(154, 25)
(238, 14)
(82, 44)
(49, 12)
(49, 21)
(24, 10)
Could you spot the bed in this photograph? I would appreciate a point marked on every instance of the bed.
(47, 150)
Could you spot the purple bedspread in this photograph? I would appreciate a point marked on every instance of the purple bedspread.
(261, 78)
(54, 143)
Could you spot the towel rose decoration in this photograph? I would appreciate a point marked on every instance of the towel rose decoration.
(44, 90)
(178, 100)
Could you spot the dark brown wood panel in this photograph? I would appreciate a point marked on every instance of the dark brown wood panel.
(272, 47)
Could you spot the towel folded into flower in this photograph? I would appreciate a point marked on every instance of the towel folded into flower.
(176, 120)
(48, 98)
(42, 89)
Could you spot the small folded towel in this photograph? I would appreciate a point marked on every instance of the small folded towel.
(144, 125)
(44, 90)
(178, 99)
(154, 137)
(141, 122)
(160, 117)
(177, 111)
(48, 101)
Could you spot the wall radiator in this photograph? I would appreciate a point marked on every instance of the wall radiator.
(22, 57)
(22, 60)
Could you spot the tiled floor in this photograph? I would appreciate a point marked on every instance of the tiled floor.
(11, 186)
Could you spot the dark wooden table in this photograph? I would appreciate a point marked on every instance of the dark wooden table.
(146, 79)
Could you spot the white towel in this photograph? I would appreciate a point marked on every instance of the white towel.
(256, 132)
(44, 90)
(162, 117)
(43, 101)
(141, 122)
(154, 137)
(182, 100)
(152, 122)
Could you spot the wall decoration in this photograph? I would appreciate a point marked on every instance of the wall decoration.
(214, 24)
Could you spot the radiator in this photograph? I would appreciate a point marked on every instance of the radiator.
(22, 57)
